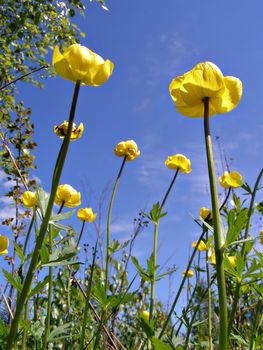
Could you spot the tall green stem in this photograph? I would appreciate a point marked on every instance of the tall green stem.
(218, 240)
(155, 244)
(209, 323)
(109, 222)
(44, 224)
(50, 286)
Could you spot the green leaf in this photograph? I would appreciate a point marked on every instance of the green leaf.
(38, 288)
(19, 252)
(160, 345)
(259, 208)
(141, 271)
(236, 223)
(62, 261)
(15, 283)
(59, 333)
(60, 217)
(147, 326)
(99, 294)
(44, 255)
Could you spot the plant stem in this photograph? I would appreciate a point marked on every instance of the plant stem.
(50, 286)
(44, 224)
(108, 224)
(218, 240)
(209, 323)
(80, 235)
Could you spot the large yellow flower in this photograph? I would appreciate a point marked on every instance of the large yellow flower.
(231, 180)
(179, 162)
(206, 214)
(78, 63)
(4, 243)
(127, 148)
(205, 80)
(66, 195)
(86, 214)
(30, 199)
(76, 133)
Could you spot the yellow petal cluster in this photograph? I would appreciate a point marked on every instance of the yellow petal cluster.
(66, 195)
(261, 236)
(201, 246)
(127, 148)
(179, 162)
(86, 214)
(190, 273)
(78, 63)
(76, 132)
(231, 180)
(30, 199)
(232, 260)
(4, 243)
(205, 80)
(206, 214)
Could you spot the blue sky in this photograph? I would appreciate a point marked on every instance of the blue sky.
(150, 43)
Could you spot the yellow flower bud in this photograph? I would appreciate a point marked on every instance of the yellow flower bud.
(205, 80)
(231, 180)
(206, 214)
(179, 162)
(213, 258)
(78, 63)
(76, 132)
(127, 148)
(30, 199)
(201, 246)
(67, 196)
(146, 315)
(4, 243)
(190, 273)
(232, 260)
(86, 214)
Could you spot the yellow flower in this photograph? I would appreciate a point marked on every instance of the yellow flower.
(261, 236)
(67, 196)
(4, 243)
(146, 315)
(127, 148)
(61, 130)
(232, 260)
(78, 63)
(30, 199)
(231, 180)
(213, 258)
(190, 273)
(206, 214)
(179, 162)
(205, 80)
(86, 214)
(201, 246)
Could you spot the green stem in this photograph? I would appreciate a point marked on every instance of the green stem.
(44, 224)
(85, 316)
(81, 232)
(155, 244)
(108, 224)
(181, 286)
(209, 323)
(25, 330)
(50, 286)
(227, 196)
(218, 240)
(243, 252)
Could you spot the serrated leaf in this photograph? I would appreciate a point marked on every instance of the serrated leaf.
(15, 283)
(39, 287)
(60, 217)
(160, 345)
(59, 332)
(19, 252)
(141, 271)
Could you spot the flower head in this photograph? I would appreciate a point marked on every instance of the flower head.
(179, 162)
(261, 236)
(231, 180)
(206, 214)
(78, 63)
(127, 148)
(66, 195)
(232, 260)
(212, 258)
(205, 80)
(190, 273)
(76, 132)
(201, 246)
(86, 214)
(30, 199)
(4, 243)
